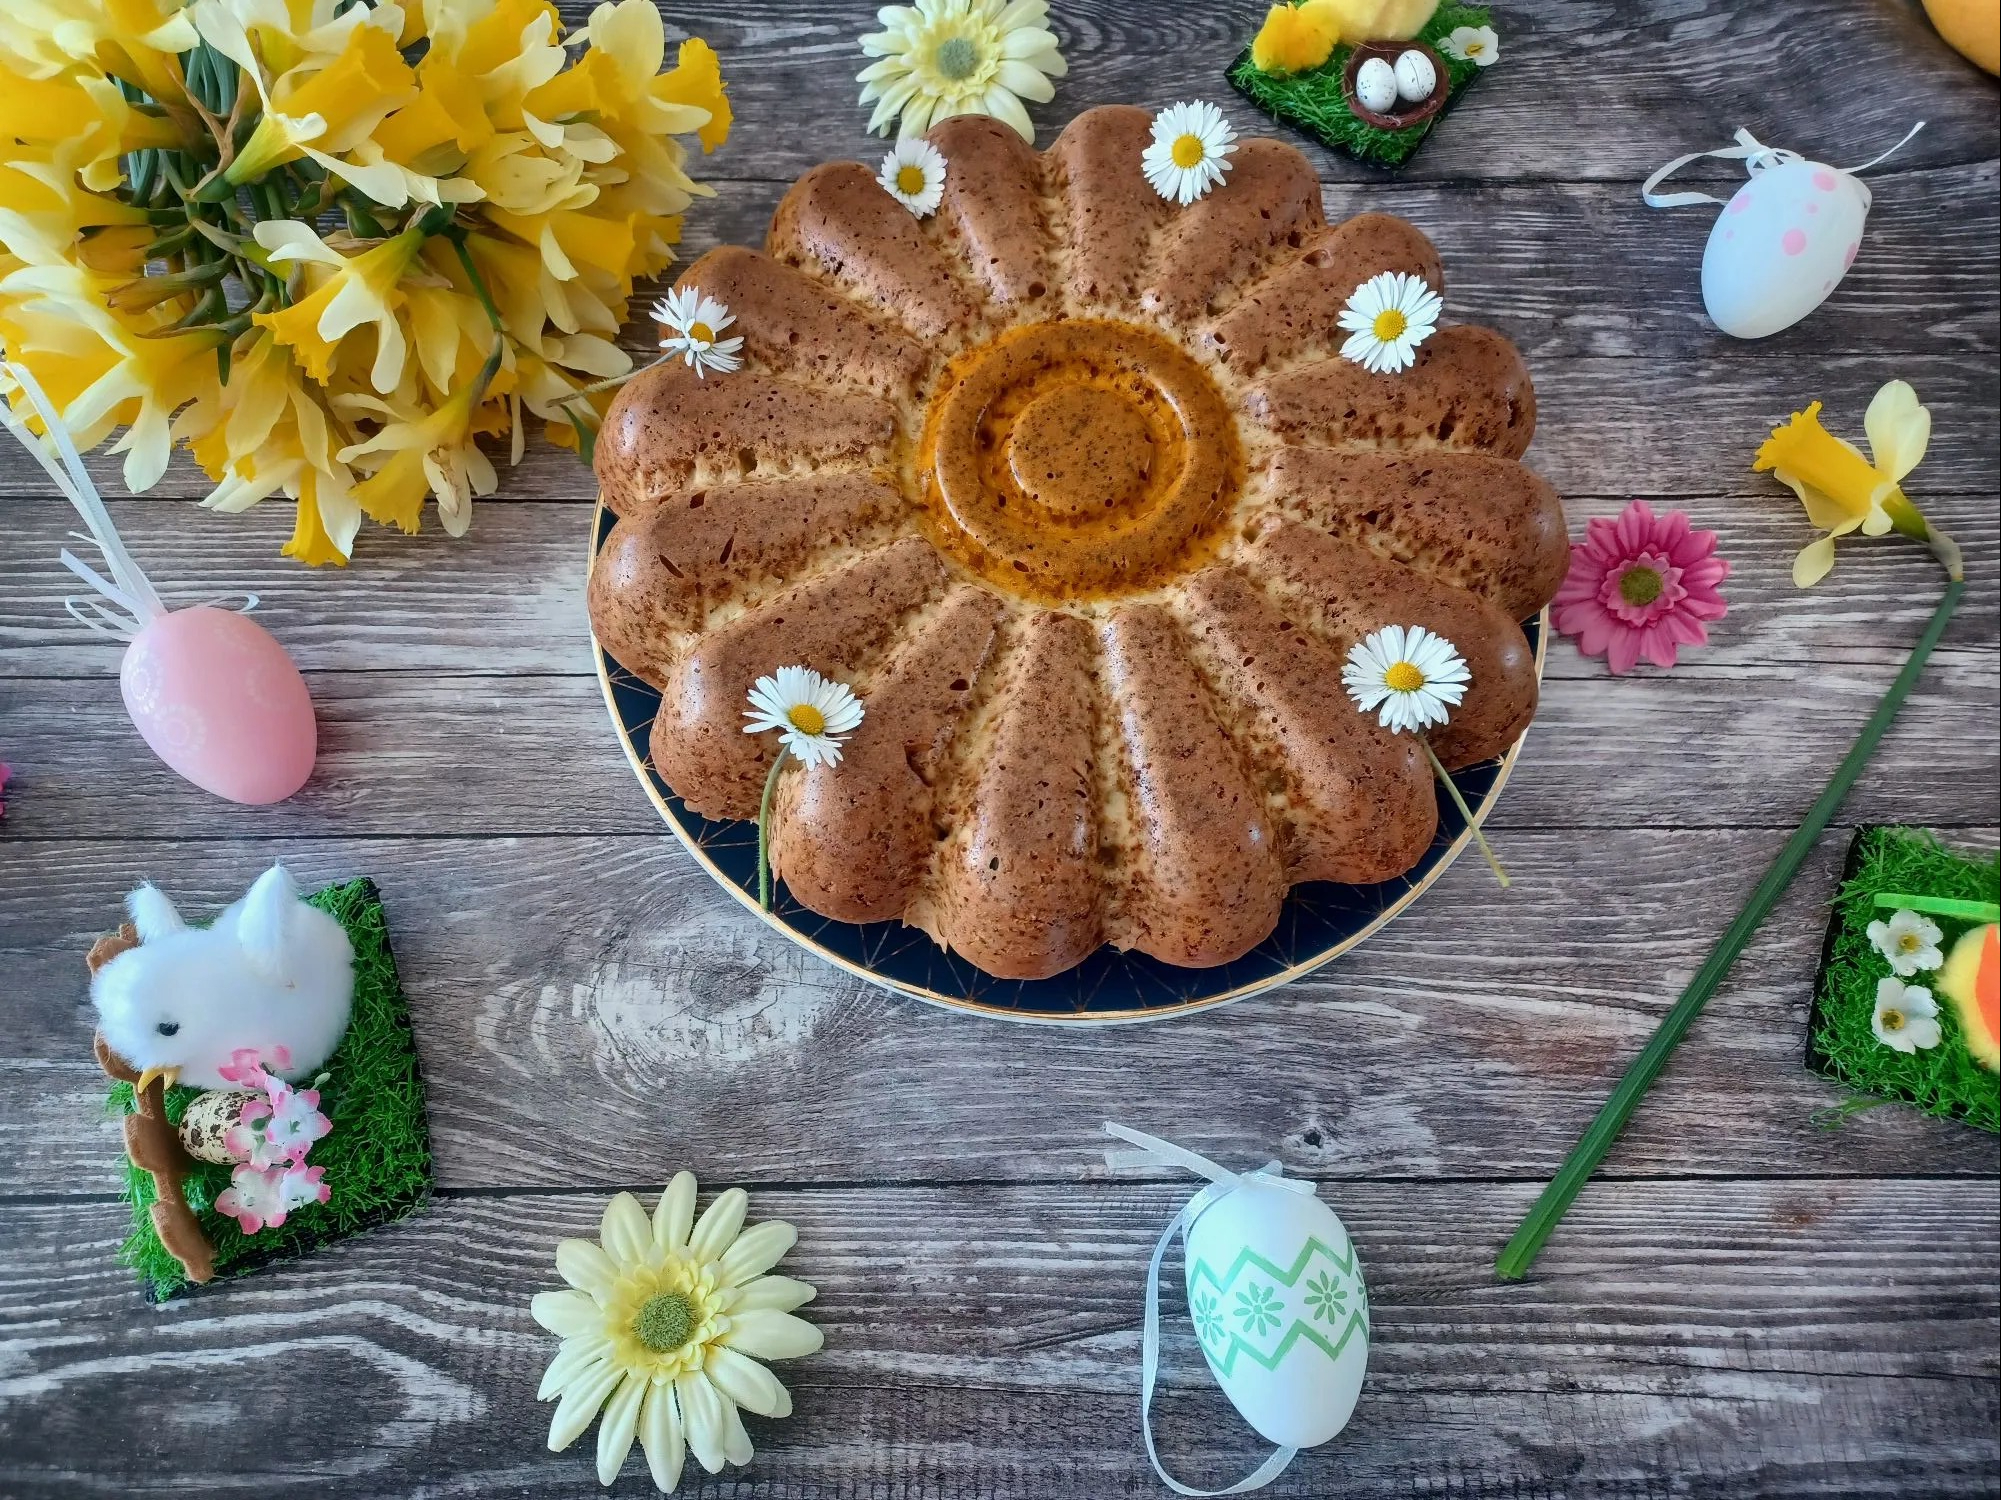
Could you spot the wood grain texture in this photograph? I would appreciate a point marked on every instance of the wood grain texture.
(1721, 1338)
(1745, 1304)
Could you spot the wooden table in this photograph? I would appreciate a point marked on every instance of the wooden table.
(1745, 1303)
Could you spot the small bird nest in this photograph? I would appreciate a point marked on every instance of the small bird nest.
(1389, 52)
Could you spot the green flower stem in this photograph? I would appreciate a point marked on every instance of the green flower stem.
(764, 829)
(1472, 823)
(1556, 1199)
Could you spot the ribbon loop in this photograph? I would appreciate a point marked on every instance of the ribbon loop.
(1222, 1183)
(1756, 156)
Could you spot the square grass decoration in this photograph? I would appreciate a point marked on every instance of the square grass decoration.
(1313, 102)
(1841, 1040)
(377, 1156)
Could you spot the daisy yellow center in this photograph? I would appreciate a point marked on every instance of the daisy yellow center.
(807, 719)
(1893, 1020)
(1390, 324)
(1403, 677)
(664, 1322)
(1188, 151)
(910, 180)
(956, 58)
(1639, 586)
(701, 333)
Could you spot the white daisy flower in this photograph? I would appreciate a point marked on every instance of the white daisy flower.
(940, 58)
(1906, 1016)
(1387, 318)
(914, 175)
(1474, 44)
(695, 326)
(664, 1329)
(811, 713)
(1909, 941)
(1190, 151)
(1416, 676)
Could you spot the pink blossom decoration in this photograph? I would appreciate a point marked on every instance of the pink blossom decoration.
(260, 1197)
(246, 1139)
(293, 1122)
(1640, 586)
(246, 1067)
(254, 1198)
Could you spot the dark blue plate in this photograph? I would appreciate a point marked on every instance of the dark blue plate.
(1320, 921)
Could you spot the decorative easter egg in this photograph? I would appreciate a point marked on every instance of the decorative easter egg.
(216, 697)
(1376, 86)
(1275, 1290)
(1416, 77)
(1781, 245)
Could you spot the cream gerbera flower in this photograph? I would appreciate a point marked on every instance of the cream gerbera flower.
(694, 326)
(1906, 1016)
(1416, 677)
(1387, 318)
(1474, 44)
(1190, 151)
(914, 175)
(1909, 941)
(941, 58)
(812, 714)
(664, 1328)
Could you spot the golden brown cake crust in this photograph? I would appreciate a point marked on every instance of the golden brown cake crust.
(668, 426)
(1072, 486)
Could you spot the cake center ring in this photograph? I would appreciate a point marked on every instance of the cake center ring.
(1080, 449)
(1077, 459)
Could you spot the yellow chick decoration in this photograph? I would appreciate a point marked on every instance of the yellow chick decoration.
(1971, 980)
(1380, 20)
(1296, 38)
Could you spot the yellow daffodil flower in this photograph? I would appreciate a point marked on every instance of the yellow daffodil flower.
(1295, 38)
(432, 454)
(347, 292)
(331, 107)
(1842, 490)
(137, 40)
(88, 112)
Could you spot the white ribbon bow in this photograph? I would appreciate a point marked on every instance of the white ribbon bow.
(1221, 1183)
(1756, 156)
(127, 603)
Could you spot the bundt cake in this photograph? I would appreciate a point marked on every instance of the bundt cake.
(1074, 488)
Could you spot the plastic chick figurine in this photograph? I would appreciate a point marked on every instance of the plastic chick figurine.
(271, 972)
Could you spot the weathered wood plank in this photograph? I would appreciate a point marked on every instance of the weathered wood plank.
(509, 597)
(1582, 90)
(1744, 1337)
(1698, 748)
(589, 1008)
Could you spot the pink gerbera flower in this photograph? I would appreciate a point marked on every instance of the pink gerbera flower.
(1640, 586)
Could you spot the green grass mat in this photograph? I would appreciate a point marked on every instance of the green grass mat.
(377, 1156)
(1313, 101)
(1841, 1042)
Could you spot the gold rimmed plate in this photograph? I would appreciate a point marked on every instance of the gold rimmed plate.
(1320, 921)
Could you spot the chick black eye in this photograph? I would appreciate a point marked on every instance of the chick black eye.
(168, 1028)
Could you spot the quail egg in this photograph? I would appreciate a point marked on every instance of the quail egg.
(1416, 77)
(1376, 86)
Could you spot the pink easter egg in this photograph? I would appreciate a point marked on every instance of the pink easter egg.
(218, 700)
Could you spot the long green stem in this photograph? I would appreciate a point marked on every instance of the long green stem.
(1472, 823)
(1556, 1199)
(764, 829)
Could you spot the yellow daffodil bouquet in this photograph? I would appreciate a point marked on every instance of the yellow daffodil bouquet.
(328, 247)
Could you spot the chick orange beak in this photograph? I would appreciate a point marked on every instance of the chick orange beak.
(147, 1076)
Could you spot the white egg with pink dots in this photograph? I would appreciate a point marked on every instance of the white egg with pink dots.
(1781, 245)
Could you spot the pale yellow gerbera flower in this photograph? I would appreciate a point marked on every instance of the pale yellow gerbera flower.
(941, 58)
(664, 1330)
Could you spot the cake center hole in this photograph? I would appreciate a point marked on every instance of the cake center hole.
(1080, 449)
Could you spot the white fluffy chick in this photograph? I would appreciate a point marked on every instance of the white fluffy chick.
(269, 972)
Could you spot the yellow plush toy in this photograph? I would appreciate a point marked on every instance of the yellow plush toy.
(1296, 38)
(1971, 27)
(1381, 20)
